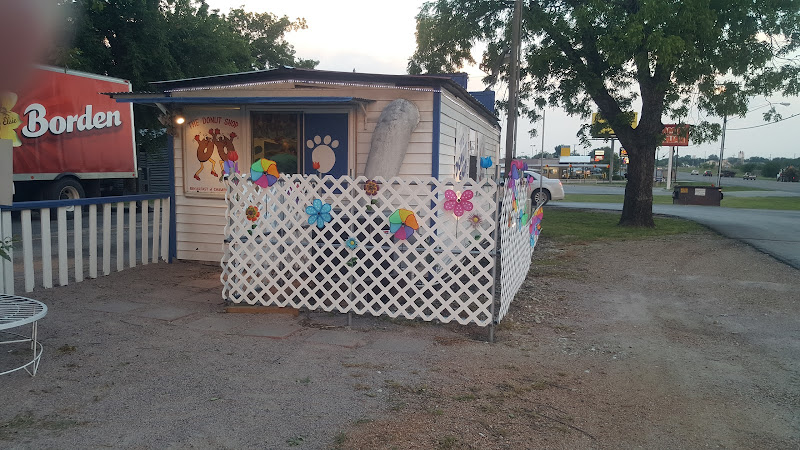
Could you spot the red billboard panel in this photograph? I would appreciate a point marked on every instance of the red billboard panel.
(676, 135)
(62, 123)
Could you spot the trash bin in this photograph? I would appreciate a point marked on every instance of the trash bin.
(697, 195)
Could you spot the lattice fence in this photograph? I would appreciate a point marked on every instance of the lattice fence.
(517, 241)
(337, 244)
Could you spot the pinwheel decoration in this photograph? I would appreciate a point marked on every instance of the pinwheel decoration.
(264, 173)
(402, 223)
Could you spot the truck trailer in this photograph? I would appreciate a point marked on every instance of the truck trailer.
(69, 140)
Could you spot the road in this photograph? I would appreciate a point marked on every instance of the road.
(738, 181)
(776, 233)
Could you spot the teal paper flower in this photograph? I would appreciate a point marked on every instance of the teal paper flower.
(319, 213)
(351, 243)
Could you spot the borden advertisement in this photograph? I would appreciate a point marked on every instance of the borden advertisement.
(212, 139)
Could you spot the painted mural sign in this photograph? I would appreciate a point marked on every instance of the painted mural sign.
(211, 139)
(461, 168)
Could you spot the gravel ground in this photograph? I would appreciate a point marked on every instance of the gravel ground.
(682, 343)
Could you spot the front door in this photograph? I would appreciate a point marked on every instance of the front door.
(325, 144)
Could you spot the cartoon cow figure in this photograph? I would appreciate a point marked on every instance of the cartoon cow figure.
(205, 149)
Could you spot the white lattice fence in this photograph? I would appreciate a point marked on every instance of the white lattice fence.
(516, 214)
(444, 271)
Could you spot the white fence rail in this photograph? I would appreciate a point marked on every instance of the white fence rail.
(77, 238)
(405, 250)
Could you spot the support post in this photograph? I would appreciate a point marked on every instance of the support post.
(513, 89)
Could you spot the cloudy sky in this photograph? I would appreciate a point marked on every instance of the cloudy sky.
(378, 37)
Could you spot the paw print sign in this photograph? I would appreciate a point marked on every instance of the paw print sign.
(322, 153)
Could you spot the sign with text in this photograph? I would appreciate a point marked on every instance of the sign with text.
(676, 135)
(211, 137)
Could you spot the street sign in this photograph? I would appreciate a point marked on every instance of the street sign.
(606, 131)
(676, 135)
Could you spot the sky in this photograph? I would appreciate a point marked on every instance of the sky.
(378, 37)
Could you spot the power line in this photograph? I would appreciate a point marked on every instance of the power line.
(764, 124)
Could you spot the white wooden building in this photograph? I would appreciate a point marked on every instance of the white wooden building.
(306, 121)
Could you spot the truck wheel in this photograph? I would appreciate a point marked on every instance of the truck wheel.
(65, 189)
(541, 196)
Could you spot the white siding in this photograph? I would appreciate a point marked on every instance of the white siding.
(453, 112)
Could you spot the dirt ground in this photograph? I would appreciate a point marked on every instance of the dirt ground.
(684, 342)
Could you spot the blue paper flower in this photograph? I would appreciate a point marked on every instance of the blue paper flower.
(319, 213)
(351, 243)
(486, 162)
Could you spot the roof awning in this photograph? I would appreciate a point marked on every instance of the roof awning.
(128, 98)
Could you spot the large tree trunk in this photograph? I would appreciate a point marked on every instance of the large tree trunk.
(637, 211)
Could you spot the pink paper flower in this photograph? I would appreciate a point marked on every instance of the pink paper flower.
(459, 204)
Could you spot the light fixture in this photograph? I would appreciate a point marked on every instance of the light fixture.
(180, 120)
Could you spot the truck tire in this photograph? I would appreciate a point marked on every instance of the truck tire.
(64, 189)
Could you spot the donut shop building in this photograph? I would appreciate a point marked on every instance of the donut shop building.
(311, 121)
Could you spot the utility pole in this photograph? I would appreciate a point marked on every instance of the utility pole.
(513, 87)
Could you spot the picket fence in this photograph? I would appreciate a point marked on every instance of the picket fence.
(330, 244)
(80, 254)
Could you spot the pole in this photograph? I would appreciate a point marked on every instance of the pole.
(669, 168)
(541, 155)
(722, 149)
(513, 95)
(611, 165)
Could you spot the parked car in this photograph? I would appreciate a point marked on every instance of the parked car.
(748, 176)
(708, 173)
(550, 190)
(728, 173)
(694, 172)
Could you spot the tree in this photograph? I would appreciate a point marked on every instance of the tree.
(152, 40)
(668, 55)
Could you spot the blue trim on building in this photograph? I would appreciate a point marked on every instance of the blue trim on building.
(173, 232)
(244, 100)
(436, 132)
(19, 206)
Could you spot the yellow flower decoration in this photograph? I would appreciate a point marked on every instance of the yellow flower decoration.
(9, 120)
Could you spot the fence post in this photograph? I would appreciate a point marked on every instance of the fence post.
(6, 198)
(6, 265)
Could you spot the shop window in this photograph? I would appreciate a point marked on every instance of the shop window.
(276, 137)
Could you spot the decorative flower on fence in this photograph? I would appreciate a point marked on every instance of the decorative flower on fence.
(402, 223)
(536, 225)
(486, 162)
(319, 213)
(264, 173)
(475, 220)
(352, 244)
(371, 188)
(459, 204)
(315, 165)
(252, 215)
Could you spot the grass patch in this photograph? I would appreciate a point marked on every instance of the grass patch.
(612, 198)
(585, 226)
(776, 203)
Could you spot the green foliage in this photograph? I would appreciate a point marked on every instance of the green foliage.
(605, 55)
(152, 40)
(770, 169)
